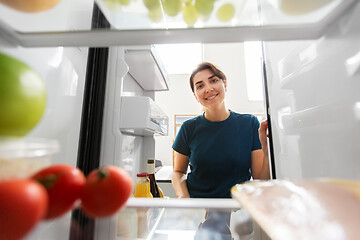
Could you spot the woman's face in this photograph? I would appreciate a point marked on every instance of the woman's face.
(209, 90)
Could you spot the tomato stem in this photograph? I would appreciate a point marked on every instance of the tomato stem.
(48, 181)
(103, 173)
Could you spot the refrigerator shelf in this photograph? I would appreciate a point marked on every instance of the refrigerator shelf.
(211, 203)
(253, 20)
(299, 63)
(182, 219)
(319, 118)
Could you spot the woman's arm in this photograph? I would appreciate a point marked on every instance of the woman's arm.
(259, 158)
(181, 163)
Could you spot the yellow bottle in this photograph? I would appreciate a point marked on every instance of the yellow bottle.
(161, 192)
(142, 186)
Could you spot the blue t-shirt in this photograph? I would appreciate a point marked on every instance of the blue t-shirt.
(219, 153)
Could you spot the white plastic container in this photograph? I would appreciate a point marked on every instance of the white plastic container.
(148, 119)
(22, 157)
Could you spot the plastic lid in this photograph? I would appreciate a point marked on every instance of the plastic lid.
(27, 147)
(143, 174)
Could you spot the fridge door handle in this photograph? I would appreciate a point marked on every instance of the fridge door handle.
(352, 65)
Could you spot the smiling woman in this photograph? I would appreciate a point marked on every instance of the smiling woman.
(179, 99)
(222, 147)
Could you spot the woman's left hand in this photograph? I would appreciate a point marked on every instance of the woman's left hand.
(263, 134)
(259, 158)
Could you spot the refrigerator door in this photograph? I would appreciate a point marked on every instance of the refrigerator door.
(314, 102)
(63, 73)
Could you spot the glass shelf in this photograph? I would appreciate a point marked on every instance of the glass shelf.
(69, 22)
(66, 16)
(183, 219)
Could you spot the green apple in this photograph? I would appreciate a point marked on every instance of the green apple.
(22, 97)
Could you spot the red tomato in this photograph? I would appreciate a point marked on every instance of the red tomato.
(63, 184)
(23, 204)
(106, 191)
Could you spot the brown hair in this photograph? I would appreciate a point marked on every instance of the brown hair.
(206, 65)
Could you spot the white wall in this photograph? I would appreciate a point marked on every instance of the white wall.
(180, 100)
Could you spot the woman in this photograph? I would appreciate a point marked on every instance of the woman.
(222, 147)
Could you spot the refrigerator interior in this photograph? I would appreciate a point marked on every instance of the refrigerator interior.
(312, 82)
